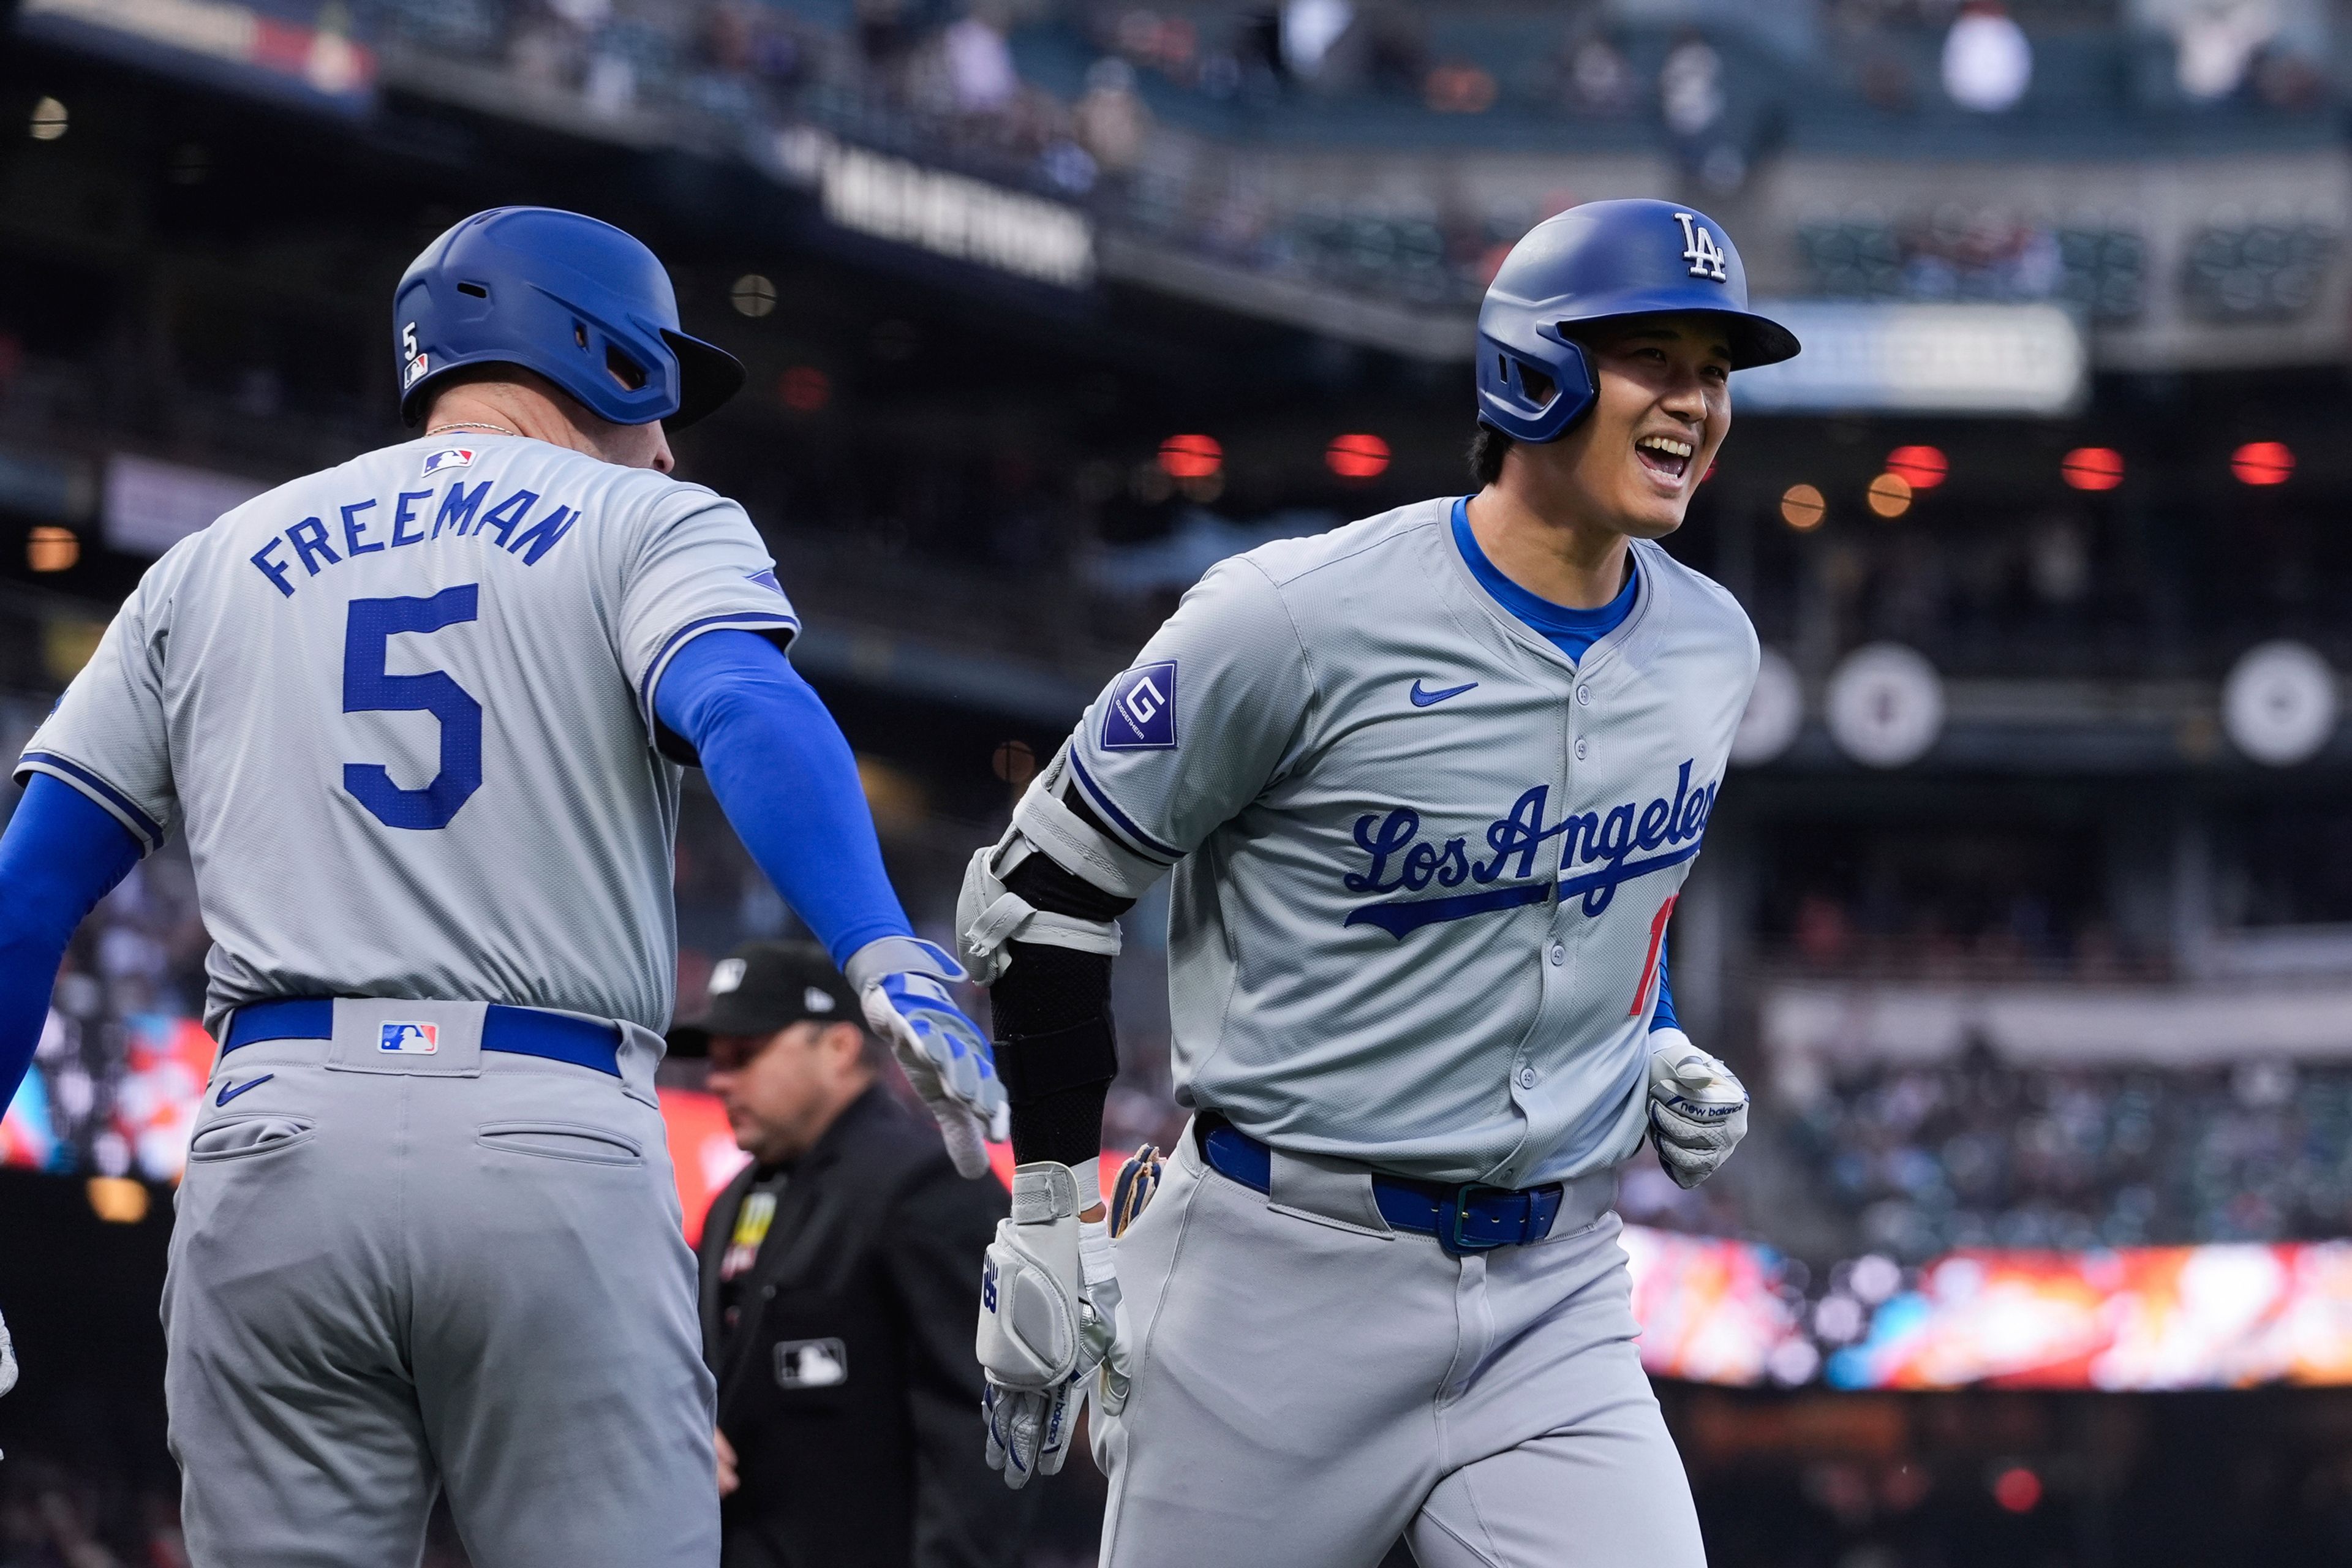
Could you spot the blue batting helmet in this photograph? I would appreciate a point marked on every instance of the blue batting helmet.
(1598, 262)
(581, 302)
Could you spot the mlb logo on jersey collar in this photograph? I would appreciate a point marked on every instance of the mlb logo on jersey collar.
(449, 457)
(1142, 714)
(409, 1039)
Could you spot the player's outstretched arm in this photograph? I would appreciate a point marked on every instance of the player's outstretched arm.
(787, 783)
(61, 854)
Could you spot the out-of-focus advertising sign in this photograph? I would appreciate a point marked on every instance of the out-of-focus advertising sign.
(1929, 359)
(950, 215)
(150, 506)
(301, 51)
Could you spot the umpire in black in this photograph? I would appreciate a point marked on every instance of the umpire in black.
(838, 1279)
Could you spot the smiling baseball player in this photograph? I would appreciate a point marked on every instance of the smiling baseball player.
(1427, 785)
(421, 719)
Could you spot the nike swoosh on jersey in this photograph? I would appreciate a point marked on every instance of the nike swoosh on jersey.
(1431, 699)
(229, 1092)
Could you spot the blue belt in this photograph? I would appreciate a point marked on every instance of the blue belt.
(523, 1031)
(1470, 1218)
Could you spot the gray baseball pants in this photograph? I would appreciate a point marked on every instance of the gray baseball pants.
(462, 1270)
(1308, 1386)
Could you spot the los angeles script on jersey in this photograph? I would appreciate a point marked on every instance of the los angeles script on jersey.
(372, 524)
(1621, 844)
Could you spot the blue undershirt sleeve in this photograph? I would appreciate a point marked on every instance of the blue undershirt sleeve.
(1664, 1018)
(61, 854)
(787, 781)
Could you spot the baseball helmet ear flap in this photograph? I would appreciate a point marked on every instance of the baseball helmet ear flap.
(1534, 397)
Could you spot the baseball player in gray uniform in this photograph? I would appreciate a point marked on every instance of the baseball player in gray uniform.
(1427, 785)
(421, 719)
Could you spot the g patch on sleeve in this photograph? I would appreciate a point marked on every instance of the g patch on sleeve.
(1142, 714)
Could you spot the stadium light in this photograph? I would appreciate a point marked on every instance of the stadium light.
(1358, 456)
(2263, 463)
(51, 549)
(804, 389)
(2017, 1489)
(1801, 507)
(1922, 468)
(1191, 456)
(2092, 469)
(1890, 495)
(752, 295)
(117, 1200)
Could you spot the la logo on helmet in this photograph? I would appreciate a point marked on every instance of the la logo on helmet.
(1705, 256)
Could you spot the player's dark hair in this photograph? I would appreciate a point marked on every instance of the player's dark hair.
(1486, 450)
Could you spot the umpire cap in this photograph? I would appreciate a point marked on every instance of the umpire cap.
(576, 300)
(1603, 261)
(764, 986)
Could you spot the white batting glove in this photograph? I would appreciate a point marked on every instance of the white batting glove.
(1048, 1321)
(1698, 1108)
(902, 983)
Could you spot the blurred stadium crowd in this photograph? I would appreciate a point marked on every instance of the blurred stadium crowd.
(1108, 103)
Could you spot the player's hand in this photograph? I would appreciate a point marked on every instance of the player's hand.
(1698, 1108)
(1048, 1321)
(903, 985)
(727, 1480)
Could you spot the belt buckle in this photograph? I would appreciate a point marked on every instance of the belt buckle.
(1449, 1230)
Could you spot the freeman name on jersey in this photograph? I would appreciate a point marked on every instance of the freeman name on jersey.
(461, 515)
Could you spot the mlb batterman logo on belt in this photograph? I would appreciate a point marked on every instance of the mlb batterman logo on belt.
(409, 1040)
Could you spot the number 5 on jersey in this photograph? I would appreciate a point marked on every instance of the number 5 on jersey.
(367, 636)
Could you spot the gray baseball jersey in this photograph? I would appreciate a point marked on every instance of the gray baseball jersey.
(1423, 862)
(403, 711)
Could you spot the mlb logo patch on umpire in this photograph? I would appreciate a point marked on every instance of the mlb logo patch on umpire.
(812, 1363)
(1142, 714)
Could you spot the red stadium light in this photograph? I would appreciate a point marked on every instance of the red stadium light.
(2262, 463)
(804, 389)
(1191, 456)
(2017, 1489)
(1357, 456)
(1923, 467)
(2092, 469)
